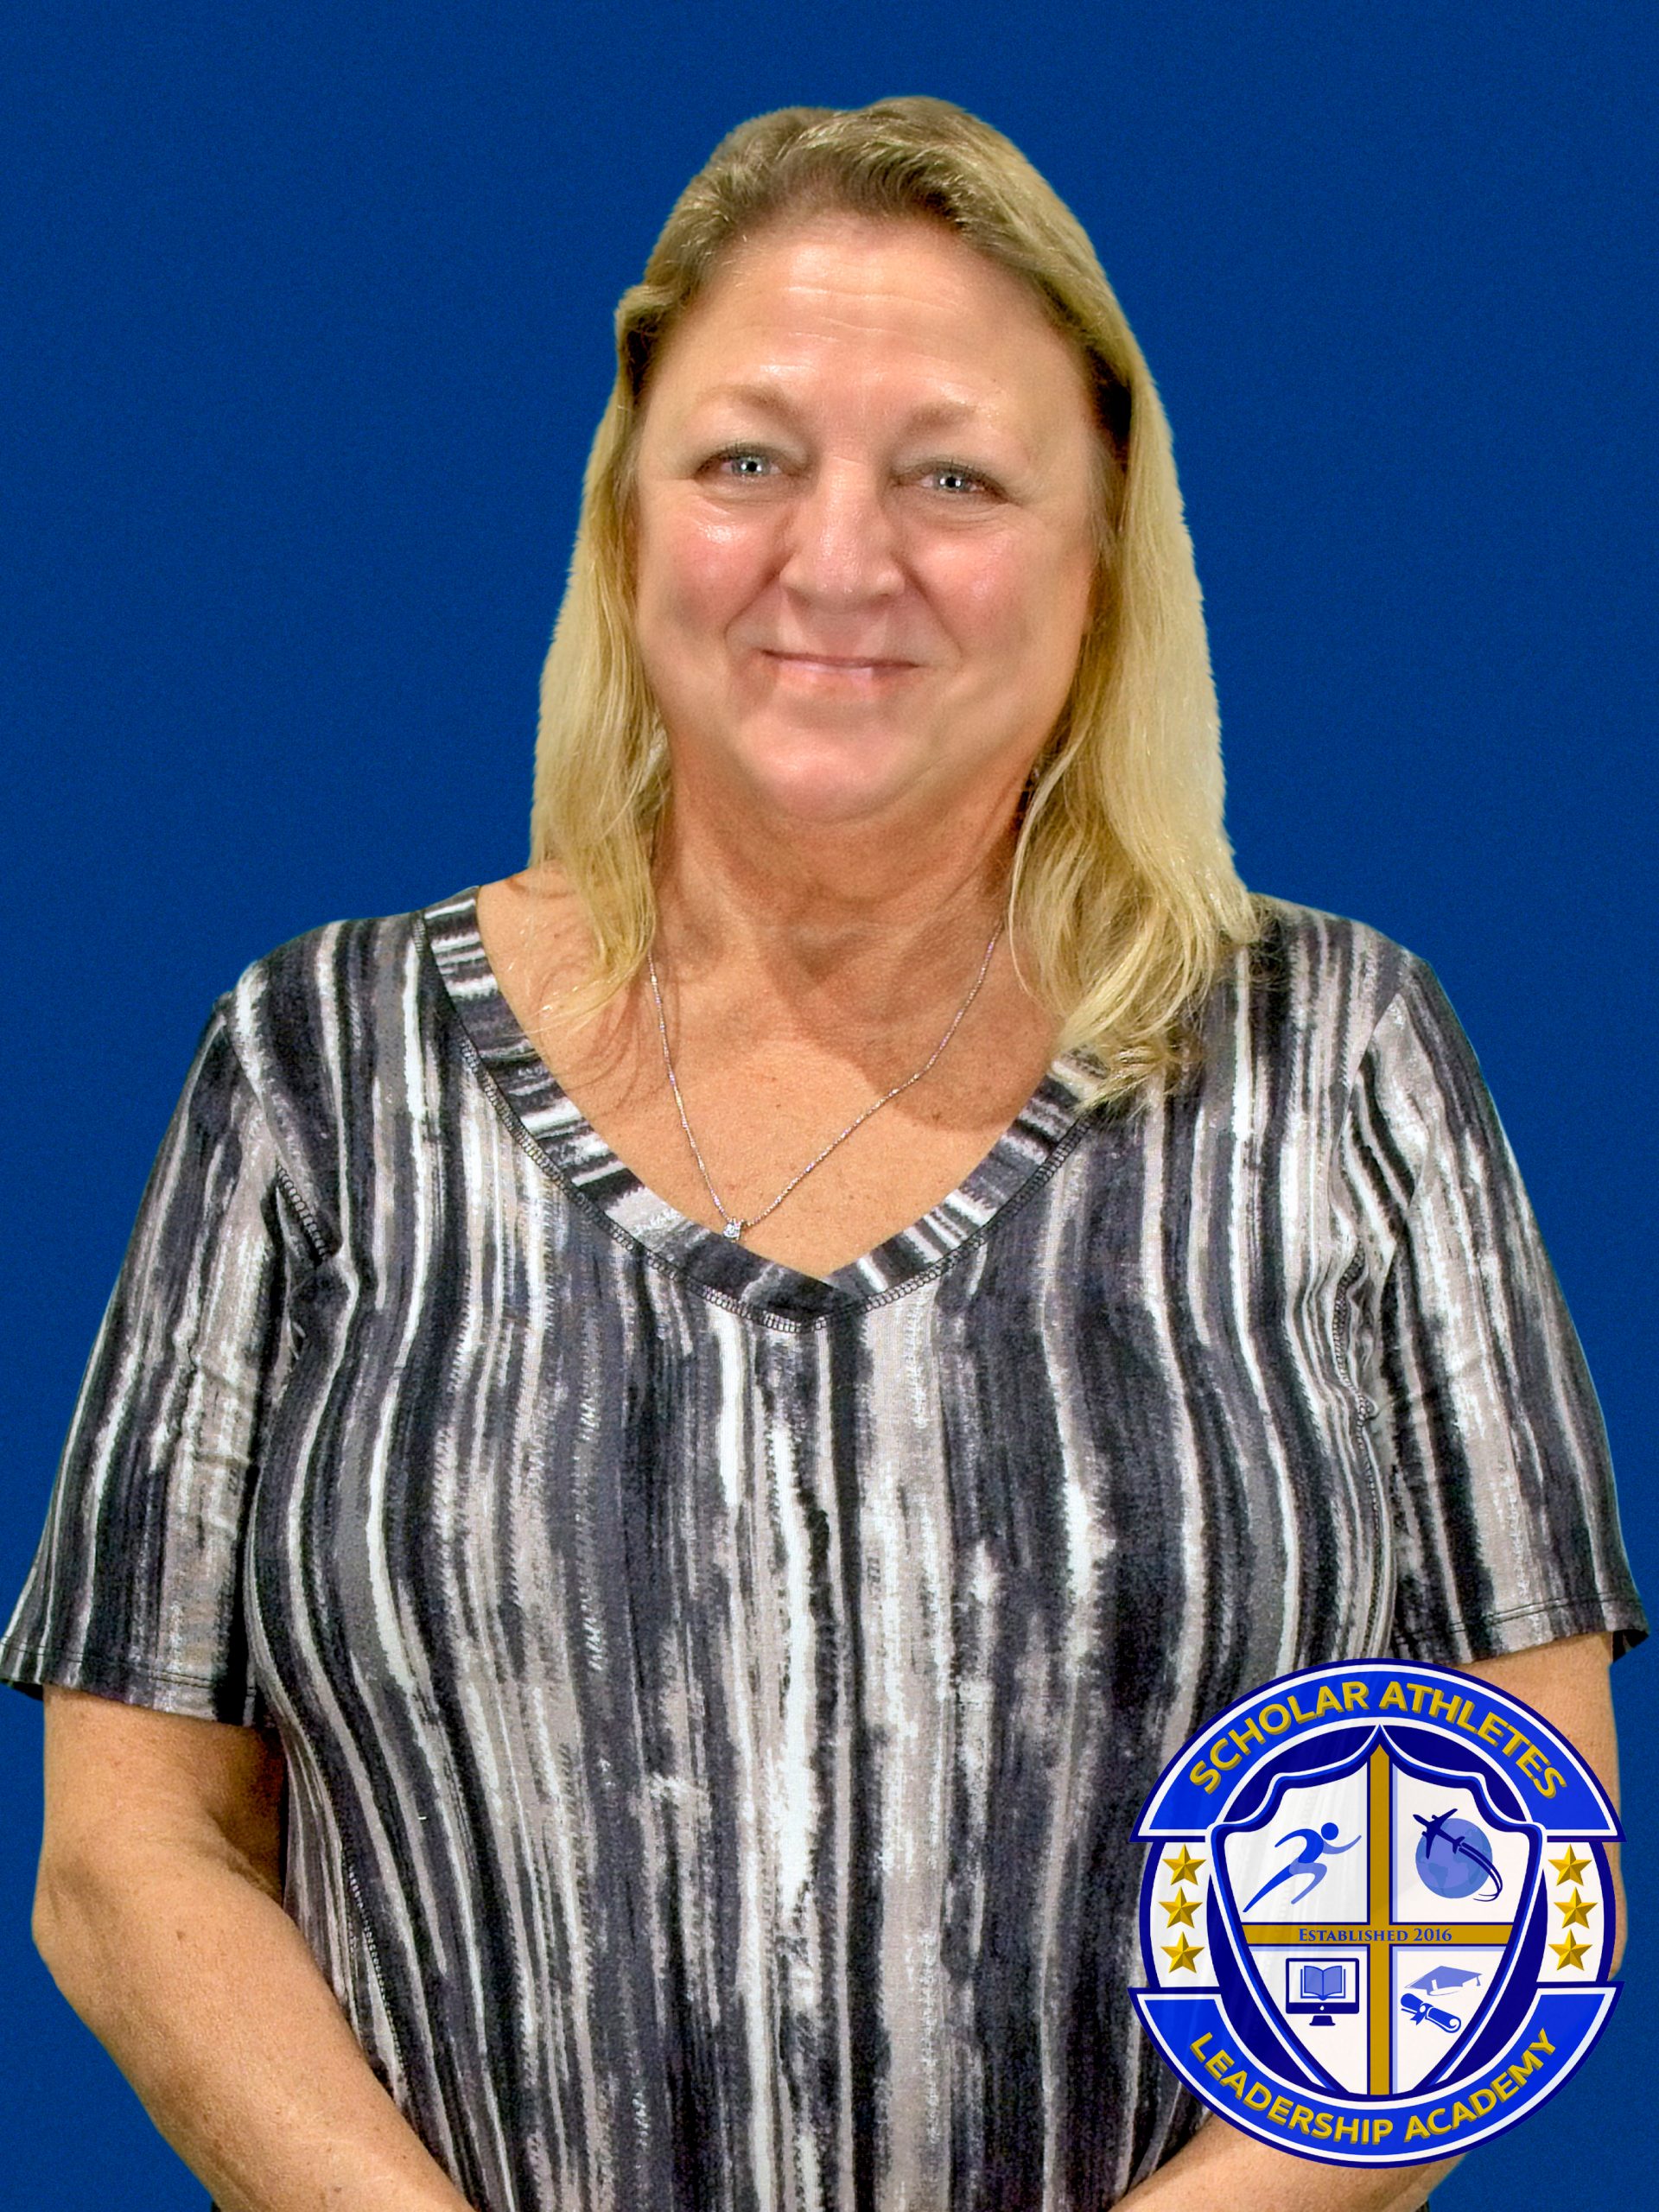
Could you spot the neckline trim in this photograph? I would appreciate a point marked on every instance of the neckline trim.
(566, 1142)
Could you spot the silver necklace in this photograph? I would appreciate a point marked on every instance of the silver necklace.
(735, 1225)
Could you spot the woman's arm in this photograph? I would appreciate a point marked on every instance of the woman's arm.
(158, 1911)
(1223, 2171)
(1568, 1683)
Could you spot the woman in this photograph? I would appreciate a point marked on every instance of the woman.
(682, 1437)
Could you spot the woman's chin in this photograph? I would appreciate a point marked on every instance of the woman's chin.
(830, 801)
(832, 779)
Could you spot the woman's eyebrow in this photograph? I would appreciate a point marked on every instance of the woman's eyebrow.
(773, 398)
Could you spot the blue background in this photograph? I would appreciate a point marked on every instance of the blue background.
(310, 314)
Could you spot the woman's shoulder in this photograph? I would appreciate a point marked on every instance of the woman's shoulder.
(1315, 994)
(337, 959)
(1313, 955)
(340, 970)
(1312, 969)
(318, 1037)
(313, 1021)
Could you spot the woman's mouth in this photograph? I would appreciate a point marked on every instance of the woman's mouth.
(854, 668)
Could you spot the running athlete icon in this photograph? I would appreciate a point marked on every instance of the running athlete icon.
(1316, 1844)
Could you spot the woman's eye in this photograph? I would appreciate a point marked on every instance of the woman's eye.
(751, 464)
(743, 464)
(957, 481)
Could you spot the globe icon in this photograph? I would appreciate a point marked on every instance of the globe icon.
(1454, 1858)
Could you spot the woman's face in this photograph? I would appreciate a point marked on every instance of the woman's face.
(864, 527)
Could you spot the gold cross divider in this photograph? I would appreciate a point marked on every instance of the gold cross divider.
(1380, 1934)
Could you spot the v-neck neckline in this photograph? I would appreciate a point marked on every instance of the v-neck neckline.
(559, 1133)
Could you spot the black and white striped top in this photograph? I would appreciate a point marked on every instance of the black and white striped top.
(717, 1700)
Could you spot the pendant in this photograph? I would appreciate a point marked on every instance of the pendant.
(733, 1229)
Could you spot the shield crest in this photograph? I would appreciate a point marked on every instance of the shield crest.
(1374, 1908)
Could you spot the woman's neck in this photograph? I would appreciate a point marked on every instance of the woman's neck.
(836, 925)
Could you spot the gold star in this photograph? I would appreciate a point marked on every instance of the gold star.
(1183, 1867)
(1181, 1909)
(1568, 1869)
(1575, 1914)
(1572, 1952)
(1183, 1953)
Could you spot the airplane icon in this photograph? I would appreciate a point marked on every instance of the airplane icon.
(1435, 1830)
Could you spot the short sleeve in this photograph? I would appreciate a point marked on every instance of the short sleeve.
(136, 1589)
(1506, 1523)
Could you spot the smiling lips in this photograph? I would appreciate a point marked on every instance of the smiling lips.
(851, 667)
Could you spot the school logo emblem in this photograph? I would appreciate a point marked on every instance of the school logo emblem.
(1377, 1917)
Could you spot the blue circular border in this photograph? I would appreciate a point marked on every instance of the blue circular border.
(1559, 2022)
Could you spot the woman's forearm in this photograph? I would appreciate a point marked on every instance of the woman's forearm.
(188, 1970)
(1222, 2166)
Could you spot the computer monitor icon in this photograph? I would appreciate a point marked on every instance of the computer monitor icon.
(1321, 1988)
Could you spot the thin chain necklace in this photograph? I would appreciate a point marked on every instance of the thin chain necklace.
(737, 1225)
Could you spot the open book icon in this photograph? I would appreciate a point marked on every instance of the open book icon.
(1321, 1987)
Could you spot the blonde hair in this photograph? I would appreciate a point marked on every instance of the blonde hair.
(1123, 901)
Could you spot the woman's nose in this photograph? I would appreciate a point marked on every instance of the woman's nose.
(843, 545)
